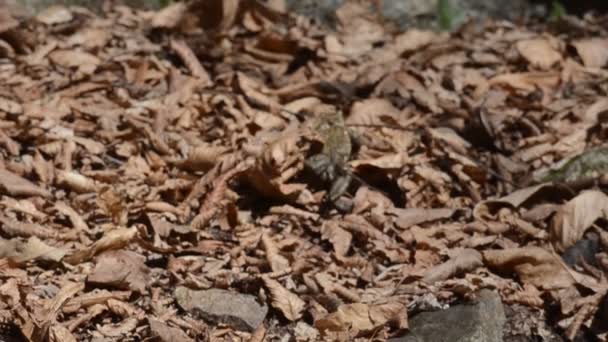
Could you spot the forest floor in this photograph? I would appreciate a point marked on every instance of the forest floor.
(226, 171)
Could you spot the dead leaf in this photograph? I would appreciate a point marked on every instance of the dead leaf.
(278, 263)
(76, 181)
(593, 51)
(169, 16)
(191, 61)
(167, 333)
(539, 52)
(339, 238)
(55, 15)
(53, 306)
(465, 261)
(15, 185)
(114, 239)
(527, 81)
(124, 270)
(533, 265)
(413, 39)
(7, 21)
(10, 106)
(83, 61)
(90, 38)
(282, 299)
(360, 317)
(59, 333)
(20, 251)
(405, 218)
(575, 217)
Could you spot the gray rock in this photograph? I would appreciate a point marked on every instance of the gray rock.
(481, 321)
(240, 311)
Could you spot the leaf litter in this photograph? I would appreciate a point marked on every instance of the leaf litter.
(147, 151)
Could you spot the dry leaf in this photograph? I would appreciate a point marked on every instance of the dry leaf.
(55, 15)
(282, 299)
(339, 238)
(278, 263)
(167, 333)
(59, 333)
(406, 218)
(114, 239)
(575, 217)
(533, 265)
(539, 52)
(413, 39)
(83, 61)
(593, 51)
(170, 16)
(15, 185)
(121, 269)
(465, 261)
(528, 81)
(53, 307)
(361, 317)
(19, 251)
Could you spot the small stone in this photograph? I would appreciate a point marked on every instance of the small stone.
(240, 311)
(481, 321)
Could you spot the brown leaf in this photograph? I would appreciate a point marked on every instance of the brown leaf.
(12, 227)
(114, 239)
(122, 328)
(191, 61)
(121, 269)
(167, 333)
(575, 217)
(55, 15)
(170, 16)
(386, 161)
(515, 199)
(90, 38)
(203, 157)
(593, 51)
(255, 93)
(7, 21)
(59, 333)
(339, 238)
(361, 317)
(533, 265)
(528, 81)
(83, 61)
(92, 146)
(76, 181)
(413, 39)
(76, 219)
(278, 263)
(591, 115)
(10, 106)
(408, 217)
(53, 307)
(284, 300)
(539, 52)
(373, 112)
(23, 206)
(93, 298)
(15, 185)
(19, 251)
(465, 261)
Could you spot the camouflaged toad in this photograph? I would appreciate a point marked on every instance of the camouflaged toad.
(330, 164)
